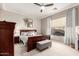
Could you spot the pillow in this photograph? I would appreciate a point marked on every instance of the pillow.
(24, 33)
(34, 33)
(30, 33)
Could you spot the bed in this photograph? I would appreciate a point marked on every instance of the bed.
(31, 39)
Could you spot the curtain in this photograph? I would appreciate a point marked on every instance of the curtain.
(70, 29)
(45, 26)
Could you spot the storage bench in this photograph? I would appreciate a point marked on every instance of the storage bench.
(41, 45)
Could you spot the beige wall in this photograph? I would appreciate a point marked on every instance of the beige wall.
(13, 17)
(60, 22)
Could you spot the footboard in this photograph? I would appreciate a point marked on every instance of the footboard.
(31, 44)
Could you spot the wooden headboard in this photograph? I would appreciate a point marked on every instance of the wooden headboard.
(28, 30)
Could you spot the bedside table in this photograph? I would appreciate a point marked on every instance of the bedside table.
(16, 39)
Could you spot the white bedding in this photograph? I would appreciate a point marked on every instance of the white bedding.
(24, 36)
(24, 39)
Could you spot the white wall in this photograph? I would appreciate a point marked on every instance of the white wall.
(77, 22)
(59, 15)
(13, 17)
(45, 26)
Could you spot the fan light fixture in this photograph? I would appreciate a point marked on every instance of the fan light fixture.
(42, 7)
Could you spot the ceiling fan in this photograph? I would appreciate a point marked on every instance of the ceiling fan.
(42, 5)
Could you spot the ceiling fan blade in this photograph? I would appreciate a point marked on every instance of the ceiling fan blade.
(37, 4)
(48, 5)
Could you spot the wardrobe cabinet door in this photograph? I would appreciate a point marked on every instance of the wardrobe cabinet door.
(6, 42)
(6, 38)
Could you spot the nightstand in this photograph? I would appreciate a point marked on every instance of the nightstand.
(16, 39)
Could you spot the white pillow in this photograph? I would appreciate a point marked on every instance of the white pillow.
(34, 33)
(24, 33)
(30, 33)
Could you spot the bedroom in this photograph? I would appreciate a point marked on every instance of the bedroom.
(38, 22)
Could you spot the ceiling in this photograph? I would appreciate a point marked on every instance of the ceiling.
(31, 9)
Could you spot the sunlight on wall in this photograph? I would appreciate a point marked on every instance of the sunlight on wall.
(60, 22)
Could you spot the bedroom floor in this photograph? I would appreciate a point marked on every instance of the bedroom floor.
(57, 49)
(57, 38)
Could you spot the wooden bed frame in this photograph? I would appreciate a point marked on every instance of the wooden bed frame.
(31, 43)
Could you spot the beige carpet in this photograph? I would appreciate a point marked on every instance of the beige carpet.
(57, 38)
(57, 49)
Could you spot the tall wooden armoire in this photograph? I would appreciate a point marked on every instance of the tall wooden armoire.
(6, 38)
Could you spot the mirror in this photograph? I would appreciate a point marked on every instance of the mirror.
(28, 22)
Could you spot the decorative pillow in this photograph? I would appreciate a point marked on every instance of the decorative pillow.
(24, 33)
(30, 33)
(34, 33)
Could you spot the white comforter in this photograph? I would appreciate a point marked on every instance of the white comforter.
(24, 39)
